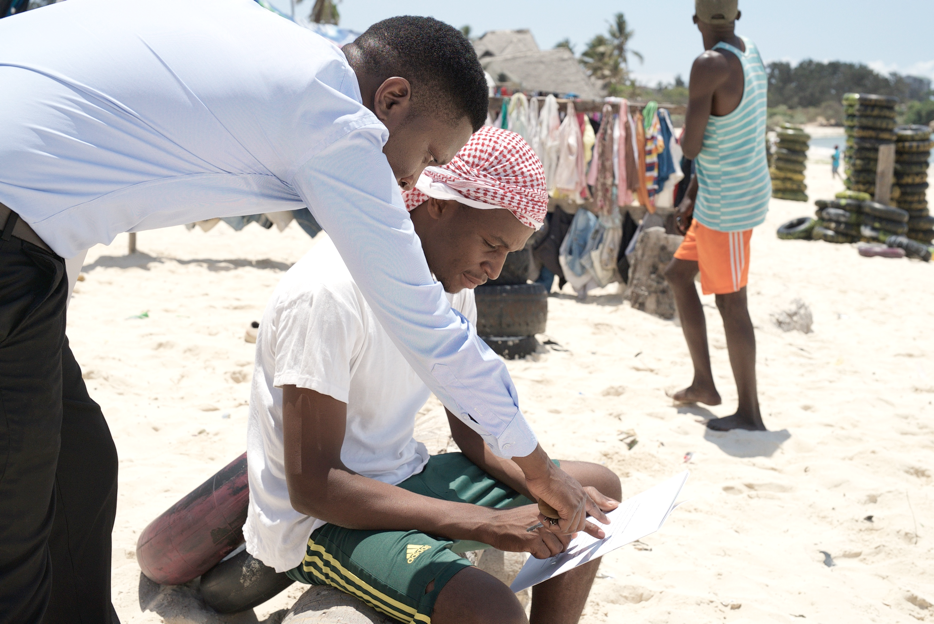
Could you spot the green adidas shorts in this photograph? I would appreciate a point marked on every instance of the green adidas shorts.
(390, 570)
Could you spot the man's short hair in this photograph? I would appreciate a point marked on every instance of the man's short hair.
(437, 60)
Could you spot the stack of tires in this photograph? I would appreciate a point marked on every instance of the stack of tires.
(869, 122)
(510, 311)
(912, 159)
(849, 220)
(789, 163)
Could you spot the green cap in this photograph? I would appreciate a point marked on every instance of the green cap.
(716, 11)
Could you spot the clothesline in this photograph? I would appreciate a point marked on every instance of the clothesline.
(586, 106)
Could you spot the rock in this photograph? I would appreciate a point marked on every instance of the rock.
(504, 566)
(648, 289)
(797, 317)
(326, 605)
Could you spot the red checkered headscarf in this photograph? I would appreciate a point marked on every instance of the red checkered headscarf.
(496, 169)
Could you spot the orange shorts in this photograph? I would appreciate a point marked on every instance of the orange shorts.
(722, 257)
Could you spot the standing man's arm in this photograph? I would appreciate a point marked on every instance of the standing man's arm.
(709, 72)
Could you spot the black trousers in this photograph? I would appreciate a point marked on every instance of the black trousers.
(58, 463)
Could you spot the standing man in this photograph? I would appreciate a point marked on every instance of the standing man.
(728, 196)
(126, 116)
(835, 162)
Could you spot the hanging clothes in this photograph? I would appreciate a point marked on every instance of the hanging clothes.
(654, 145)
(602, 250)
(621, 146)
(573, 251)
(669, 164)
(549, 127)
(640, 152)
(504, 115)
(600, 176)
(632, 155)
(518, 115)
(533, 137)
(570, 177)
(546, 252)
(622, 261)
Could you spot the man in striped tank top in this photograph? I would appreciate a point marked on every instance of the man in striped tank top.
(728, 196)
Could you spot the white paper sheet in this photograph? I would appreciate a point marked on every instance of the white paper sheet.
(635, 518)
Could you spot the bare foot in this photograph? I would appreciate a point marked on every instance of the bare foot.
(693, 394)
(736, 421)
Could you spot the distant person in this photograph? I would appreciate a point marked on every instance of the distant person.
(341, 493)
(835, 163)
(728, 196)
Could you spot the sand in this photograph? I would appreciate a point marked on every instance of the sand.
(847, 468)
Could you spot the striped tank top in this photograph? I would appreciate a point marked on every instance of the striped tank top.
(733, 179)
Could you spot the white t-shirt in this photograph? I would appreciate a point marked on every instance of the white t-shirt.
(127, 115)
(319, 333)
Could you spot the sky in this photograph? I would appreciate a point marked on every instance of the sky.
(895, 35)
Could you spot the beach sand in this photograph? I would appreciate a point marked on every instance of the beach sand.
(847, 468)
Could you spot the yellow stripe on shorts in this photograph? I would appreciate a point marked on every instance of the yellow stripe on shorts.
(375, 599)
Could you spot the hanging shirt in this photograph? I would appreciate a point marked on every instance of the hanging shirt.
(623, 156)
(569, 171)
(548, 144)
(124, 116)
(733, 182)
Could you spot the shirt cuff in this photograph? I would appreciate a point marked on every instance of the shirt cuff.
(516, 440)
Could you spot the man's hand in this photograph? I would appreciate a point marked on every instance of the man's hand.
(548, 483)
(683, 216)
(507, 530)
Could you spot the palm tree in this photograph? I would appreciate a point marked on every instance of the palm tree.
(620, 35)
(325, 12)
(565, 43)
(601, 61)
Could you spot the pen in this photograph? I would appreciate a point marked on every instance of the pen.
(532, 528)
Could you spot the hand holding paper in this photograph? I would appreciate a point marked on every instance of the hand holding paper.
(635, 518)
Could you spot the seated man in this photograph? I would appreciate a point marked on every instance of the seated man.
(341, 493)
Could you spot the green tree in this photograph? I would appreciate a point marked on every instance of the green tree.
(324, 12)
(601, 62)
(565, 43)
(619, 36)
(921, 113)
(466, 30)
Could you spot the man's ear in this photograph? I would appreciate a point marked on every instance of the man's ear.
(695, 18)
(437, 207)
(393, 102)
(739, 14)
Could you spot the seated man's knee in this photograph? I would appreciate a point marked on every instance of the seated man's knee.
(474, 597)
(608, 482)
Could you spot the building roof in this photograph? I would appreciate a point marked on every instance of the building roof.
(548, 71)
(502, 42)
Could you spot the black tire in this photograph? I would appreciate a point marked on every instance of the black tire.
(872, 235)
(851, 205)
(860, 197)
(870, 144)
(821, 204)
(850, 229)
(797, 229)
(921, 224)
(862, 110)
(910, 179)
(792, 176)
(914, 189)
(913, 248)
(913, 157)
(915, 212)
(790, 196)
(912, 198)
(882, 211)
(887, 136)
(512, 347)
(857, 154)
(839, 216)
(869, 99)
(866, 121)
(241, 583)
(912, 133)
(794, 156)
(790, 165)
(519, 310)
(885, 225)
(914, 147)
(789, 186)
(911, 167)
(822, 233)
(515, 269)
(866, 177)
(923, 237)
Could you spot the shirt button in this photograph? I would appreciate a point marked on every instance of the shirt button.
(507, 445)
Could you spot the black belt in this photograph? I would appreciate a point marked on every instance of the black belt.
(14, 226)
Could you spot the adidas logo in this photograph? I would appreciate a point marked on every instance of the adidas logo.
(412, 551)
